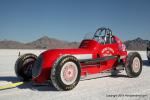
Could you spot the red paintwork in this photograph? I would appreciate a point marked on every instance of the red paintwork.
(87, 47)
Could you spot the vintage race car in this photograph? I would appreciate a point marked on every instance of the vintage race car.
(148, 51)
(64, 67)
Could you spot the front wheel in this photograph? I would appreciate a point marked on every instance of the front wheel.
(65, 74)
(133, 65)
(24, 65)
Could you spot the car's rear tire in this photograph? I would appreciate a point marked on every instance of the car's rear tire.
(24, 65)
(65, 73)
(133, 65)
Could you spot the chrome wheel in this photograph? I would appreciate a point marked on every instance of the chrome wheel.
(69, 73)
(136, 64)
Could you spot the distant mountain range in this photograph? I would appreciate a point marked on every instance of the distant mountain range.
(136, 44)
(51, 43)
(42, 43)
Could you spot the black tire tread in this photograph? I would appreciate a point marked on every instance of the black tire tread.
(55, 75)
(18, 65)
(128, 66)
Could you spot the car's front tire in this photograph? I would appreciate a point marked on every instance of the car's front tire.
(24, 65)
(65, 73)
(133, 65)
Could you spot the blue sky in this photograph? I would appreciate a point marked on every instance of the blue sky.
(70, 20)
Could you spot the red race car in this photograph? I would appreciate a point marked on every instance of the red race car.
(65, 67)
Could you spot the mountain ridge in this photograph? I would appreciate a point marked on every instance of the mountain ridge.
(136, 44)
(46, 42)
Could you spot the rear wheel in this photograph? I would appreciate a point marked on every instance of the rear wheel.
(24, 65)
(133, 65)
(65, 74)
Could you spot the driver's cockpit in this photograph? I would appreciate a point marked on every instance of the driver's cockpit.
(104, 36)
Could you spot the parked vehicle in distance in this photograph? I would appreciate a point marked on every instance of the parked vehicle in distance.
(148, 51)
(64, 67)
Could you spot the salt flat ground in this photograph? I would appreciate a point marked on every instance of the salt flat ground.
(102, 88)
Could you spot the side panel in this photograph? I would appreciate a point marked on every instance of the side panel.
(98, 67)
(82, 56)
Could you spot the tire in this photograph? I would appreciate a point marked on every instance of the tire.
(65, 73)
(24, 65)
(133, 65)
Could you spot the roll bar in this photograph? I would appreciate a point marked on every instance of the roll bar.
(107, 31)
